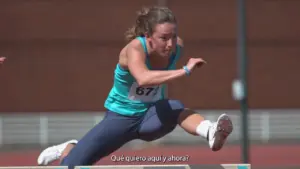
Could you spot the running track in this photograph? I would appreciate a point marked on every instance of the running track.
(261, 156)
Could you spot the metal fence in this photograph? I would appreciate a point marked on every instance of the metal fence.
(51, 128)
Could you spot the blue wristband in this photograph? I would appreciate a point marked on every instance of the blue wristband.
(187, 71)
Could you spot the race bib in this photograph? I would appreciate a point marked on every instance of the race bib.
(145, 94)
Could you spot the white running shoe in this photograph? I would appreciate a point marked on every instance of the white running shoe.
(53, 153)
(219, 132)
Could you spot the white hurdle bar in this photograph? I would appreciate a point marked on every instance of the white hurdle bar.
(215, 166)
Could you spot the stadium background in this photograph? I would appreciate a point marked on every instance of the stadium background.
(61, 56)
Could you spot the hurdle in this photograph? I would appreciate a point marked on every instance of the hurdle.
(187, 166)
(34, 167)
(184, 166)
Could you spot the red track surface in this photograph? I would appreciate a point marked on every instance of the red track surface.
(266, 155)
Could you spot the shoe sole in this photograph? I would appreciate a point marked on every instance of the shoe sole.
(224, 128)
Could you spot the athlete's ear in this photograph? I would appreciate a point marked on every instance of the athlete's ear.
(146, 34)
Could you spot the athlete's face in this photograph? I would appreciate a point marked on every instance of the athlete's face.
(164, 39)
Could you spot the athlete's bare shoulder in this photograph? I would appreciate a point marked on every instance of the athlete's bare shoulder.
(180, 42)
(133, 46)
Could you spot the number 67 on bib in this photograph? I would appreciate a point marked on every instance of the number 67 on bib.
(145, 94)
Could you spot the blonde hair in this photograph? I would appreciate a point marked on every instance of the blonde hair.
(146, 20)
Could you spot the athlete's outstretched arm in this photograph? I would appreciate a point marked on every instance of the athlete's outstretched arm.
(145, 77)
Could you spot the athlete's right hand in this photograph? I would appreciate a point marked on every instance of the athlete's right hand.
(2, 59)
(195, 62)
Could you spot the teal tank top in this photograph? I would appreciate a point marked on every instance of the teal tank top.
(126, 97)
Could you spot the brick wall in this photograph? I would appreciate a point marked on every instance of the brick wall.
(61, 54)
